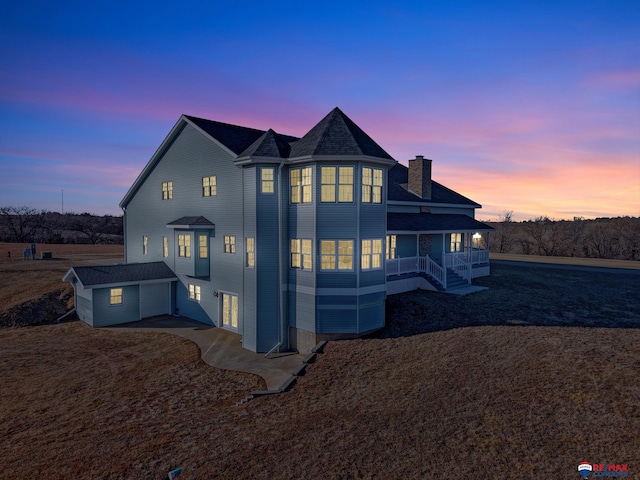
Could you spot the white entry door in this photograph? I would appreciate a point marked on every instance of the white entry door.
(230, 311)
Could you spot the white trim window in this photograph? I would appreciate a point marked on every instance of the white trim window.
(456, 244)
(194, 292)
(115, 296)
(336, 178)
(371, 185)
(165, 247)
(300, 180)
(267, 180)
(336, 255)
(391, 247)
(145, 244)
(167, 190)
(209, 186)
(203, 246)
(251, 252)
(301, 254)
(229, 244)
(371, 254)
(184, 245)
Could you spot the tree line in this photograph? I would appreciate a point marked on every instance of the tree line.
(614, 238)
(28, 225)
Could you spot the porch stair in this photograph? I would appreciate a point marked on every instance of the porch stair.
(454, 281)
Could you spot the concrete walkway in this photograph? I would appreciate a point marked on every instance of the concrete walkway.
(222, 349)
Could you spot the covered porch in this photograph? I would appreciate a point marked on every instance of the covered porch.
(448, 251)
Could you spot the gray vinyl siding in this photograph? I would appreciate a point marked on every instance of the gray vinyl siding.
(250, 298)
(268, 258)
(403, 208)
(191, 156)
(192, 309)
(405, 246)
(302, 310)
(84, 303)
(337, 319)
(105, 314)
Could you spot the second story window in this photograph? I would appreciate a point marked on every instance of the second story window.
(209, 186)
(267, 180)
(165, 247)
(251, 252)
(301, 254)
(229, 244)
(371, 185)
(203, 246)
(300, 180)
(184, 246)
(167, 190)
(336, 179)
(145, 244)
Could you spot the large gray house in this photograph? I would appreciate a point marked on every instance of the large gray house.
(284, 240)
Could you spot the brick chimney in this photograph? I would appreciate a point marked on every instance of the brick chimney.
(420, 177)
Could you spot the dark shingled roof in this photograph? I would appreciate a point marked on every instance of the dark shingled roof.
(432, 222)
(399, 176)
(270, 144)
(336, 134)
(191, 222)
(125, 273)
(234, 137)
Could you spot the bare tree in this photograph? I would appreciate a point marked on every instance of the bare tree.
(604, 242)
(545, 235)
(630, 238)
(573, 236)
(21, 222)
(504, 233)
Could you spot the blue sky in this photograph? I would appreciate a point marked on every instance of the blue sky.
(526, 106)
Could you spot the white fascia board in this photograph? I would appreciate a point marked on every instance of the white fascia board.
(437, 232)
(252, 159)
(155, 158)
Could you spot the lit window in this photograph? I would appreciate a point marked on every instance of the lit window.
(344, 184)
(371, 255)
(267, 182)
(301, 254)
(209, 186)
(336, 252)
(115, 297)
(301, 179)
(145, 244)
(184, 246)
(230, 311)
(194, 292)
(391, 247)
(251, 252)
(456, 242)
(167, 190)
(371, 185)
(203, 248)
(165, 247)
(229, 244)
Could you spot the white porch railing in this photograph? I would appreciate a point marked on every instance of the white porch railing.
(473, 256)
(425, 264)
(458, 265)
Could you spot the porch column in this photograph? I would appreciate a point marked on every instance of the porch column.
(444, 262)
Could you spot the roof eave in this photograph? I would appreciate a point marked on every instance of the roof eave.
(429, 203)
(131, 282)
(342, 158)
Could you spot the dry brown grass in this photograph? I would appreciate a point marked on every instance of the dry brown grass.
(490, 400)
(26, 280)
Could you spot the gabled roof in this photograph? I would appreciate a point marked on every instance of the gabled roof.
(92, 277)
(397, 190)
(335, 135)
(190, 222)
(234, 137)
(433, 222)
(270, 144)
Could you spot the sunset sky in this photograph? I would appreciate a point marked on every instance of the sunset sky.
(526, 106)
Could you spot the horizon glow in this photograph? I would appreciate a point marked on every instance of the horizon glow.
(531, 107)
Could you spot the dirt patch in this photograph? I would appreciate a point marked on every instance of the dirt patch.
(45, 310)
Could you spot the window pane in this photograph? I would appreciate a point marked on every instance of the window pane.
(345, 257)
(328, 181)
(345, 193)
(328, 257)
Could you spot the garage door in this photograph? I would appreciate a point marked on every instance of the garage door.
(155, 299)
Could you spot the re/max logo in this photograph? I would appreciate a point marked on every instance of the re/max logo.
(610, 469)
